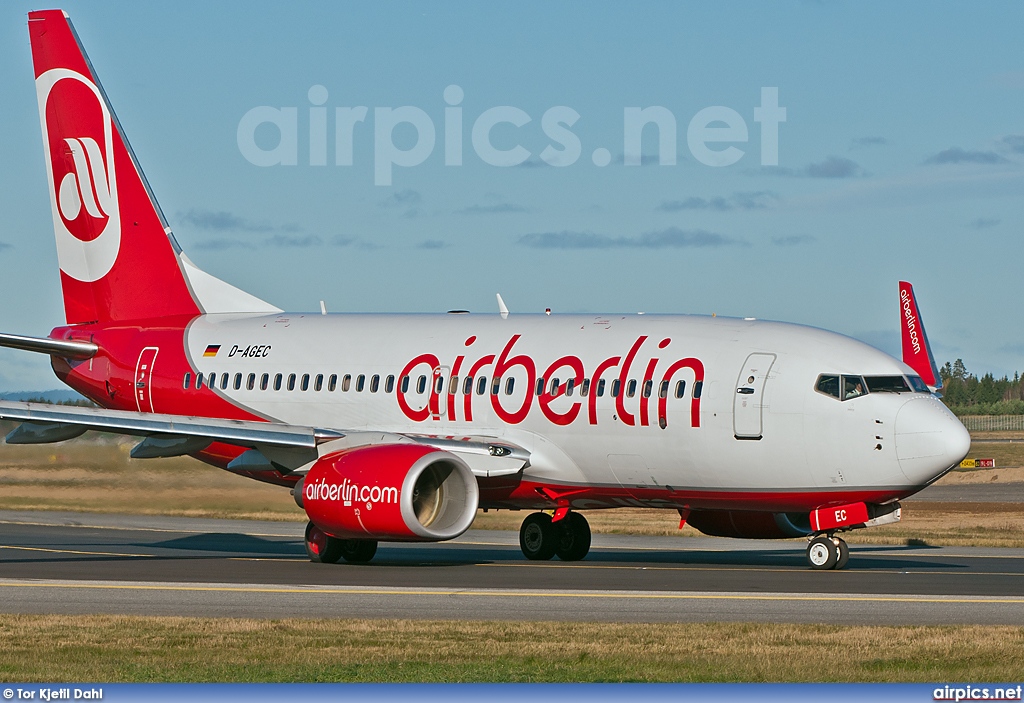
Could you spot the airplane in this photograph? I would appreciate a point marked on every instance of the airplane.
(400, 427)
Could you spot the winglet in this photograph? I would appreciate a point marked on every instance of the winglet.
(501, 307)
(917, 352)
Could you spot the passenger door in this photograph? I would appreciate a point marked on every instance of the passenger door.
(749, 397)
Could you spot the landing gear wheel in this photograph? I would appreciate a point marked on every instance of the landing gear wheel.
(538, 538)
(843, 553)
(357, 551)
(573, 537)
(822, 553)
(321, 547)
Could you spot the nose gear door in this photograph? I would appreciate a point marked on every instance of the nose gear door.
(748, 401)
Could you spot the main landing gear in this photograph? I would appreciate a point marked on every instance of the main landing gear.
(827, 552)
(540, 538)
(324, 549)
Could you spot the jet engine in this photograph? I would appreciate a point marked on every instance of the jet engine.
(748, 524)
(390, 492)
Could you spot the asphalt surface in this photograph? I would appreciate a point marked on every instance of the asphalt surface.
(972, 493)
(80, 563)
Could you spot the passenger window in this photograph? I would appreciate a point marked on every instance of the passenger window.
(616, 387)
(510, 385)
(698, 387)
(555, 385)
(224, 381)
(360, 383)
(199, 381)
(238, 381)
(405, 384)
(277, 381)
(291, 381)
(264, 381)
(346, 382)
(481, 385)
(374, 383)
(540, 386)
(680, 389)
(421, 385)
(663, 390)
(250, 382)
(648, 388)
(631, 388)
(467, 386)
(828, 385)
(439, 384)
(853, 387)
(332, 383)
(453, 385)
(496, 385)
(304, 382)
(188, 380)
(585, 388)
(318, 382)
(389, 384)
(569, 385)
(600, 388)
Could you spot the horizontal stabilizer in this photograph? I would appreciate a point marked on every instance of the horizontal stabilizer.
(68, 349)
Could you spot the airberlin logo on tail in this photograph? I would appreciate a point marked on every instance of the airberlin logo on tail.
(78, 140)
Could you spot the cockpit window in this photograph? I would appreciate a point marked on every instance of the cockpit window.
(829, 385)
(853, 386)
(918, 384)
(887, 384)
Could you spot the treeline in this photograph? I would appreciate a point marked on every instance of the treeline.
(966, 394)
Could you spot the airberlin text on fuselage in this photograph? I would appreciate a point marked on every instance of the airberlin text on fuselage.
(653, 388)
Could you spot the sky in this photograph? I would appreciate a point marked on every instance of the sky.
(901, 156)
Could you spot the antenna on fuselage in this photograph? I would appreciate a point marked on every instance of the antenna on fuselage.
(323, 308)
(501, 307)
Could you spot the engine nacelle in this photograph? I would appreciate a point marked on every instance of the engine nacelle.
(390, 492)
(748, 524)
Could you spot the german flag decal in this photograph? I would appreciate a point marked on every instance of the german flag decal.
(212, 350)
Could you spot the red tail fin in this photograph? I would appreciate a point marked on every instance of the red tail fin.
(917, 352)
(116, 258)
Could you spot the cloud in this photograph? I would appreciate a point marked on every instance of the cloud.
(341, 241)
(793, 240)
(221, 220)
(431, 244)
(222, 244)
(496, 208)
(956, 155)
(865, 142)
(406, 200)
(755, 200)
(833, 167)
(984, 223)
(1014, 142)
(284, 240)
(4, 246)
(671, 238)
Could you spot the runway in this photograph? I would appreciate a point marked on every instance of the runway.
(79, 563)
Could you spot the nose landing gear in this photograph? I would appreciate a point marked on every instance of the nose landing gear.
(827, 552)
(541, 539)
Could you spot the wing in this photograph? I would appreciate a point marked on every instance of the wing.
(271, 445)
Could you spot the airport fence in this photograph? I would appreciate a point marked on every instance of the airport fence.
(989, 423)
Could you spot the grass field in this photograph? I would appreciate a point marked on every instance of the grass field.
(130, 649)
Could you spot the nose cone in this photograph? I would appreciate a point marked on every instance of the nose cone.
(929, 440)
